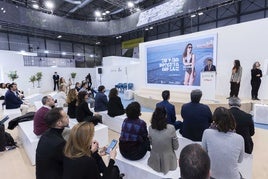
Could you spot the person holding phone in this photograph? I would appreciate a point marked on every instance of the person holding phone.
(82, 159)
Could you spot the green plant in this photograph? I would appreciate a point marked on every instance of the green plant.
(38, 78)
(73, 75)
(33, 79)
(13, 75)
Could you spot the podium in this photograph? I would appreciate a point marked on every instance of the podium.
(208, 85)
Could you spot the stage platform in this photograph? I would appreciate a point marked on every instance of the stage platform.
(148, 97)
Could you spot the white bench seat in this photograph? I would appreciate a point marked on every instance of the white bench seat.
(114, 123)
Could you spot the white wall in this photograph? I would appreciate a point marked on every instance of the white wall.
(11, 61)
(246, 42)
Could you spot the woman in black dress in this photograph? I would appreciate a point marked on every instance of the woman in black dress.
(256, 75)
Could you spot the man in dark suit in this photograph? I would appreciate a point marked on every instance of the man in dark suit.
(170, 109)
(210, 66)
(196, 117)
(12, 99)
(56, 79)
(244, 123)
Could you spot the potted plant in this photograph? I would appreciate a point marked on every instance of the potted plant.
(73, 75)
(33, 79)
(13, 75)
(38, 78)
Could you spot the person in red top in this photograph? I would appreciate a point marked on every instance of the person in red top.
(39, 123)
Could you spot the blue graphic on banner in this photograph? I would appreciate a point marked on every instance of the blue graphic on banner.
(165, 62)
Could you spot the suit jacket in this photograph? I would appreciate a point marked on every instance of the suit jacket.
(244, 127)
(49, 155)
(56, 78)
(212, 68)
(12, 101)
(100, 102)
(170, 109)
(115, 107)
(196, 118)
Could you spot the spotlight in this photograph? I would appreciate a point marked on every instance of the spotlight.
(200, 13)
(63, 53)
(59, 36)
(35, 6)
(97, 13)
(193, 15)
(107, 12)
(130, 4)
(49, 4)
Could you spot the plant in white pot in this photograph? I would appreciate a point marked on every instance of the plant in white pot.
(13, 75)
(32, 79)
(73, 75)
(38, 78)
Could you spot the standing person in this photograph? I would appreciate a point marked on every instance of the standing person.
(164, 141)
(56, 79)
(224, 147)
(235, 79)
(170, 109)
(134, 142)
(210, 66)
(189, 64)
(49, 151)
(244, 123)
(115, 106)
(82, 159)
(256, 75)
(89, 81)
(101, 100)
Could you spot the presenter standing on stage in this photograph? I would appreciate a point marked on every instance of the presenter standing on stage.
(56, 79)
(256, 75)
(210, 66)
(235, 79)
(189, 64)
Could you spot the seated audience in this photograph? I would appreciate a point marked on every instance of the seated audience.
(115, 106)
(49, 151)
(71, 101)
(3, 91)
(133, 141)
(196, 117)
(164, 141)
(61, 96)
(83, 112)
(82, 159)
(170, 109)
(40, 125)
(77, 86)
(101, 100)
(194, 162)
(13, 100)
(83, 87)
(225, 148)
(244, 123)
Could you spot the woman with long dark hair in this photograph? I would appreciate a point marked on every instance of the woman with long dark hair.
(256, 75)
(115, 106)
(188, 59)
(235, 79)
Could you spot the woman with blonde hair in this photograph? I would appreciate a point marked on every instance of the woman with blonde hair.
(82, 159)
(71, 101)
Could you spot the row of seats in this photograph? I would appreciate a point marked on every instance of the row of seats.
(124, 86)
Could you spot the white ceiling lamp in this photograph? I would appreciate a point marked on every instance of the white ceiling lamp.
(193, 15)
(46, 51)
(59, 36)
(97, 13)
(35, 6)
(130, 4)
(50, 5)
(104, 14)
(200, 13)
(107, 12)
(63, 53)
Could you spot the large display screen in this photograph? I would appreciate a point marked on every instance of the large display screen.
(180, 62)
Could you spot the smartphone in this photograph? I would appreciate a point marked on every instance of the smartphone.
(111, 146)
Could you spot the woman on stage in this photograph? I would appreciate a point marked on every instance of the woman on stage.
(235, 79)
(189, 62)
(256, 75)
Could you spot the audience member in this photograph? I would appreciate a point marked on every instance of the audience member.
(225, 148)
(49, 152)
(244, 123)
(71, 101)
(194, 162)
(61, 96)
(101, 100)
(88, 81)
(83, 87)
(196, 117)
(13, 101)
(83, 112)
(115, 106)
(170, 109)
(3, 91)
(40, 125)
(164, 141)
(77, 86)
(133, 141)
(56, 78)
(82, 159)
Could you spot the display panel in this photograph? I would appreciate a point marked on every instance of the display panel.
(174, 63)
